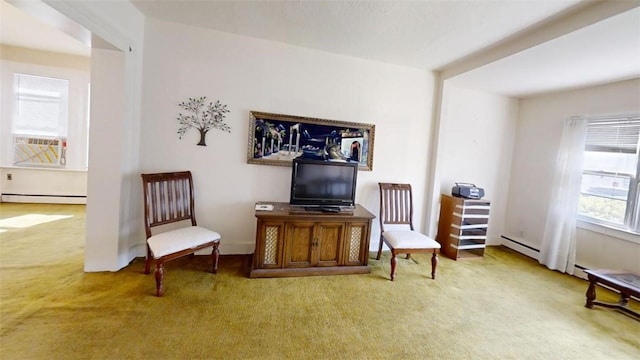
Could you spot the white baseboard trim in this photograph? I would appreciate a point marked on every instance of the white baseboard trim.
(236, 248)
(231, 249)
(43, 199)
(579, 273)
(519, 246)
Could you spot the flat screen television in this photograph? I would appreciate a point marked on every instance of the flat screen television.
(323, 185)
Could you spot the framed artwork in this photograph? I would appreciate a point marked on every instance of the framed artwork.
(276, 139)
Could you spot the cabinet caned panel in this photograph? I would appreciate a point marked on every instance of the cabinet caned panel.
(271, 245)
(355, 242)
(270, 235)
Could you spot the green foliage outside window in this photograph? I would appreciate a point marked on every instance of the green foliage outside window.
(602, 208)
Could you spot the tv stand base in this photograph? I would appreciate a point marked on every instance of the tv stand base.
(310, 271)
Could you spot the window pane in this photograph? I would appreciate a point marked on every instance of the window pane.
(606, 185)
(611, 162)
(41, 105)
(602, 208)
(604, 197)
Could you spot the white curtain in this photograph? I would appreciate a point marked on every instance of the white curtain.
(558, 251)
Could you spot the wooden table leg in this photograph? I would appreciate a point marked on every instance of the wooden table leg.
(624, 300)
(591, 294)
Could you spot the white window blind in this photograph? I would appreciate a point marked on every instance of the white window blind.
(614, 135)
(41, 105)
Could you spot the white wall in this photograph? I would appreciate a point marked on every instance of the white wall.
(476, 135)
(38, 185)
(250, 74)
(534, 155)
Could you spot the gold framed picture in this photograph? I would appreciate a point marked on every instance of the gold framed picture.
(277, 139)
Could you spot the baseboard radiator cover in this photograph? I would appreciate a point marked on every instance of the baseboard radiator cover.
(44, 199)
(534, 253)
(520, 247)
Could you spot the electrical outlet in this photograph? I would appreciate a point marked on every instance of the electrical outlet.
(9, 177)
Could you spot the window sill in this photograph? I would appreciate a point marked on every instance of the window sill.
(609, 231)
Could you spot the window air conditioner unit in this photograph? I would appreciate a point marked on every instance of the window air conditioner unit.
(30, 150)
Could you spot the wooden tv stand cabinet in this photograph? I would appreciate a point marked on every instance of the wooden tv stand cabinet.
(293, 242)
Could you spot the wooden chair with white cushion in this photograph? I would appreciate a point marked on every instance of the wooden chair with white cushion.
(396, 209)
(169, 200)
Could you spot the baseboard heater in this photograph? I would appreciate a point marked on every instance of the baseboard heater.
(44, 199)
(521, 244)
(530, 249)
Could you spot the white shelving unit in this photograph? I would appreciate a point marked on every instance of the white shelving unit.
(462, 228)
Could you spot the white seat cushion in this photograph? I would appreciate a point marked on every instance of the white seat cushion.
(407, 239)
(180, 239)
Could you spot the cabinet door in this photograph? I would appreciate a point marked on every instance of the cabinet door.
(356, 245)
(269, 242)
(299, 244)
(328, 244)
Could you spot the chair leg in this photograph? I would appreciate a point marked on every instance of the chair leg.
(394, 261)
(147, 264)
(159, 278)
(215, 255)
(434, 264)
(379, 248)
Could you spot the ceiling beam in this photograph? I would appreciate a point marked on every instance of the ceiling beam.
(568, 21)
(54, 18)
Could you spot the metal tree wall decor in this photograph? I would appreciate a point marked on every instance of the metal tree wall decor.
(202, 117)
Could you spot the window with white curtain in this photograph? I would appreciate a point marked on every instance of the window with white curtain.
(609, 193)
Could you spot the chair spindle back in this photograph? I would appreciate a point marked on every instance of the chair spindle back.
(396, 204)
(168, 198)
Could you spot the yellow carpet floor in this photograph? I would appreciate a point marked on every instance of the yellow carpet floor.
(505, 306)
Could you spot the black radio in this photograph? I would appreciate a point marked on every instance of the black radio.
(469, 191)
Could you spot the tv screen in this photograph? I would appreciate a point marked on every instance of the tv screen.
(324, 184)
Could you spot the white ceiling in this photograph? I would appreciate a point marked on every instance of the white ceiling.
(421, 34)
